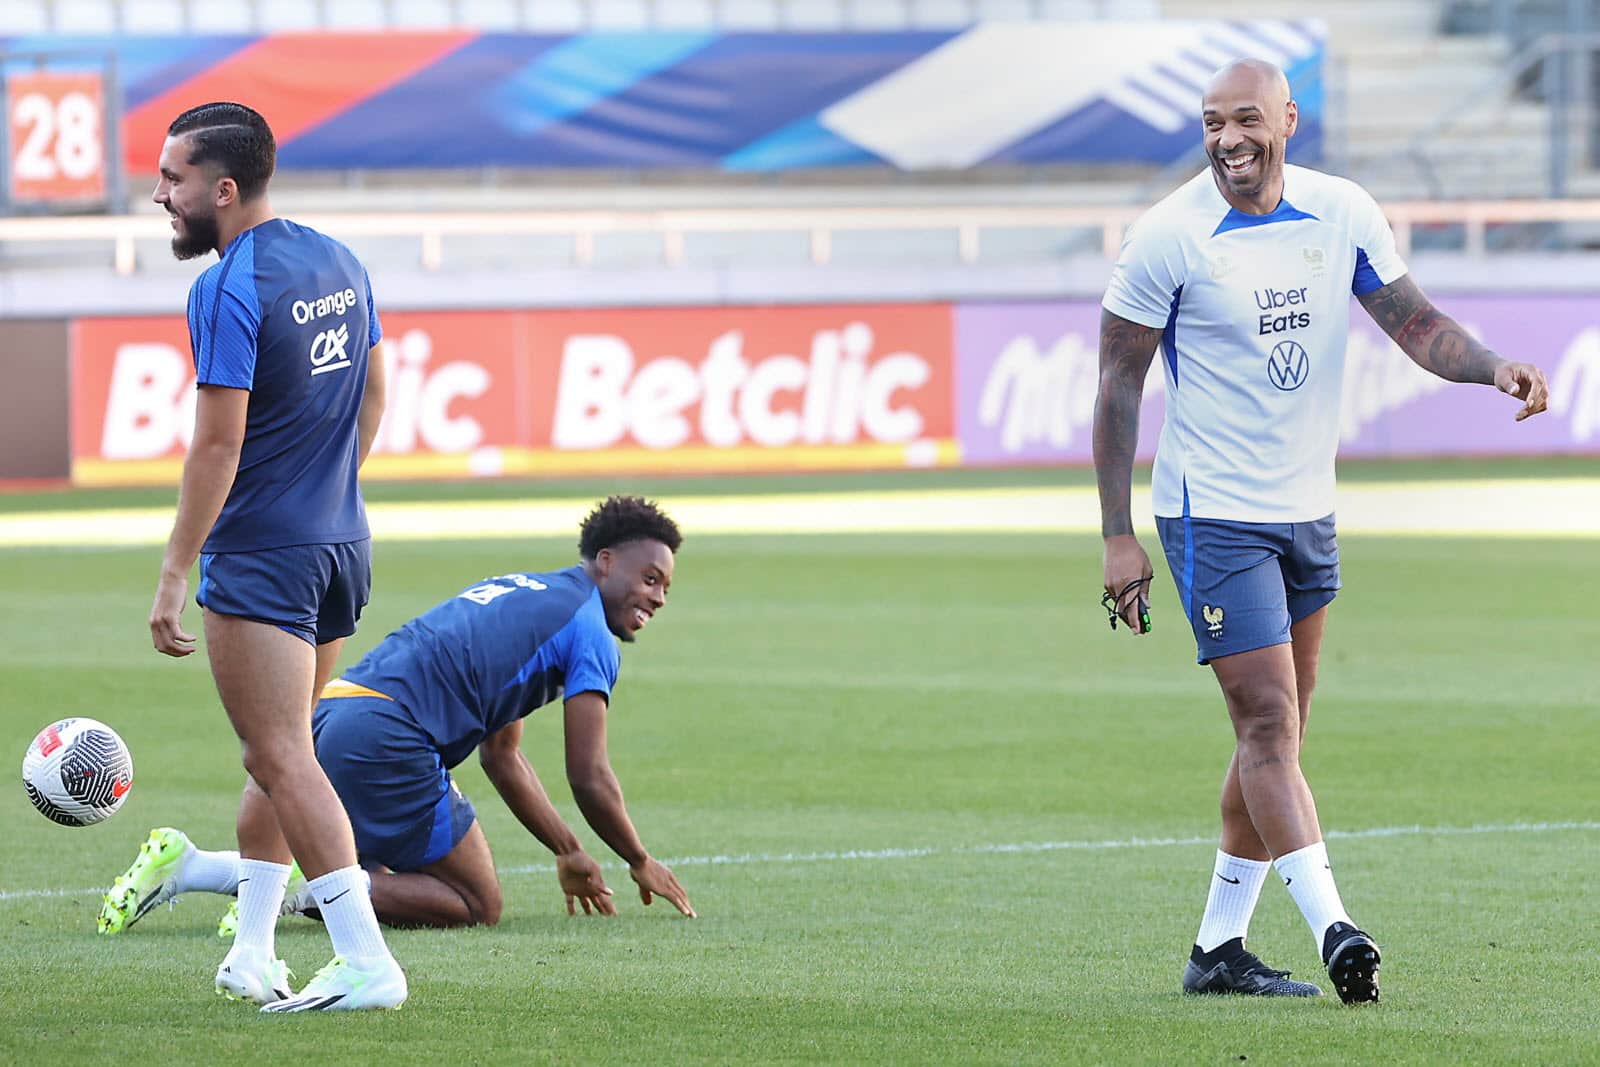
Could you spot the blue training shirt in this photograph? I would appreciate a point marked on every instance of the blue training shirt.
(287, 314)
(493, 653)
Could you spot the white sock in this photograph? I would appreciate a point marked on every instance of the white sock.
(1306, 873)
(344, 898)
(1235, 886)
(208, 872)
(261, 886)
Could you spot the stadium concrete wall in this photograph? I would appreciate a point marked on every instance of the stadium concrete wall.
(792, 388)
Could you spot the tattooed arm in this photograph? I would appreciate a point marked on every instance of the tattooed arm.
(1437, 343)
(1126, 349)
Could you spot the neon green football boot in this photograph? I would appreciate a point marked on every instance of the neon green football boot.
(296, 899)
(152, 880)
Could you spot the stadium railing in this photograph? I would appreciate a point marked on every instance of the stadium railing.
(821, 225)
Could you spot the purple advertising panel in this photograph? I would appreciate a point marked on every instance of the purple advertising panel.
(1026, 375)
(1394, 408)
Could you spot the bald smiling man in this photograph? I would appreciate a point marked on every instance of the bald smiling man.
(1242, 280)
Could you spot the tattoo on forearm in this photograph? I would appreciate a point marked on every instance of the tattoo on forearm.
(1126, 349)
(1433, 340)
(1260, 763)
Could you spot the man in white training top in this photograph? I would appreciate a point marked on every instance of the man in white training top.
(1242, 279)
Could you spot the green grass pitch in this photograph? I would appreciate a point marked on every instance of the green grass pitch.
(835, 740)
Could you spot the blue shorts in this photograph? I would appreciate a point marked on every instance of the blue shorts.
(403, 807)
(315, 592)
(1242, 584)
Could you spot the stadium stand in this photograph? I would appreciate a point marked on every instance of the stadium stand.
(1468, 129)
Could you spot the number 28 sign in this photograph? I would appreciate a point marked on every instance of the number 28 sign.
(56, 133)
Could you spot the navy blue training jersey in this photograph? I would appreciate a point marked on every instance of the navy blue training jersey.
(493, 653)
(287, 314)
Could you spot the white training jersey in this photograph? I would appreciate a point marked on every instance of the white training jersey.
(1254, 311)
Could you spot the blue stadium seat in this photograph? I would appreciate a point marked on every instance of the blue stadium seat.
(354, 14)
(422, 14)
(286, 15)
(493, 15)
(85, 16)
(941, 14)
(555, 16)
(222, 18)
(619, 14)
(151, 16)
(878, 14)
(24, 16)
(814, 15)
(684, 14)
(748, 15)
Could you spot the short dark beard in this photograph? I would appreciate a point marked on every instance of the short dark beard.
(198, 237)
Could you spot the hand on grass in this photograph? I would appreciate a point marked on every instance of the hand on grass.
(582, 882)
(653, 877)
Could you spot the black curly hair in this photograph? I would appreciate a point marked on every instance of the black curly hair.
(620, 519)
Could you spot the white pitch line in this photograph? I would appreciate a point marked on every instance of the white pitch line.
(750, 858)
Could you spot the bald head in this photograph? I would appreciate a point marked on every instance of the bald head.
(1248, 119)
(1250, 77)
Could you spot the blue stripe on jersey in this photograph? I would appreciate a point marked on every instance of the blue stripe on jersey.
(1238, 220)
(225, 348)
(439, 842)
(1365, 279)
(1169, 337)
(374, 330)
(1188, 555)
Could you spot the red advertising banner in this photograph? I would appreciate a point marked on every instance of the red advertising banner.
(57, 132)
(654, 389)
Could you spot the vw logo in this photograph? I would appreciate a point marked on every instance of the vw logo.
(1288, 366)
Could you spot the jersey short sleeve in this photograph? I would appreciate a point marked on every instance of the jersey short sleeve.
(1378, 262)
(592, 659)
(225, 322)
(374, 329)
(1148, 275)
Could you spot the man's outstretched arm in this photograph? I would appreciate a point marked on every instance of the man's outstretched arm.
(599, 797)
(1126, 349)
(1437, 343)
(514, 779)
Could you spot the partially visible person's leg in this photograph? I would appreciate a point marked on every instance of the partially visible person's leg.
(265, 676)
(461, 889)
(168, 865)
(1230, 588)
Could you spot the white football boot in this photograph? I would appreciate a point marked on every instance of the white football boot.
(346, 986)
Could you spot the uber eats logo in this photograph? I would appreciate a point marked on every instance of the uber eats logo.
(1284, 310)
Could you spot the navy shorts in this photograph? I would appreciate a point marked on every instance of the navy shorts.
(315, 592)
(405, 810)
(1242, 584)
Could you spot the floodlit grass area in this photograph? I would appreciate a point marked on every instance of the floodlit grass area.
(836, 741)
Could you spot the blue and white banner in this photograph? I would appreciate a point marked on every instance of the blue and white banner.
(1006, 93)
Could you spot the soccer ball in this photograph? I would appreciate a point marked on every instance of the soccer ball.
(77, 772)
